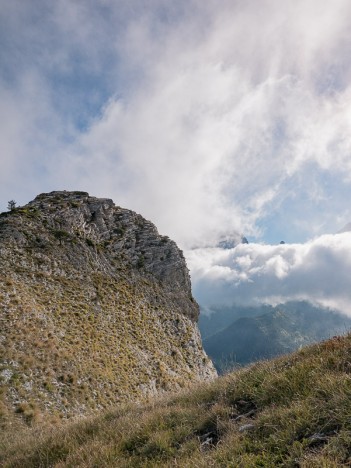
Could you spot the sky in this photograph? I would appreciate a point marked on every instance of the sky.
(209, 118)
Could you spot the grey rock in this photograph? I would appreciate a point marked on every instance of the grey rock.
(230, 242)
(69, 261)
(246, 427)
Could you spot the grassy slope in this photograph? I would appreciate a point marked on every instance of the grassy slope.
(291, 411)
(66, 359)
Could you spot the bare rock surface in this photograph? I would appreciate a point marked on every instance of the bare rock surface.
(95, 308)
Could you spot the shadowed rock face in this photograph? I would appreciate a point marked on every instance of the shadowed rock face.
(98, 300)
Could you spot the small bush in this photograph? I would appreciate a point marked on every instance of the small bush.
(61, 235)
(141, 261)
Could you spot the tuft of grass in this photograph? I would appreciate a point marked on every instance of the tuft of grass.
(61, 235)
(288, 412)
(89, 242)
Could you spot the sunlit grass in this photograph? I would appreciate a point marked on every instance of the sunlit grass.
(291, 411)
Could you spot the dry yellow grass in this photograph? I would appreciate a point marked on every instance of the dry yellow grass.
(294, 411)
(84, 325)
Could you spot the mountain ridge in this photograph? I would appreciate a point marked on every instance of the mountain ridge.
(278, 330)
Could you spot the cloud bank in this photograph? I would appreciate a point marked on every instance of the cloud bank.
(206, 117)
(252, 274)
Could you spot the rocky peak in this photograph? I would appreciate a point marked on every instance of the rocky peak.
(230, 242)
(114, 234)
(96, 307)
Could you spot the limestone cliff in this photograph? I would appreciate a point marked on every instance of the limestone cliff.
(95, 308)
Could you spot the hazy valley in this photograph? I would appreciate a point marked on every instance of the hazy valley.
(237, 336)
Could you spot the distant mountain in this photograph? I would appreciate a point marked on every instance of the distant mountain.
(229, 242)
(222, 317)
(283, 329)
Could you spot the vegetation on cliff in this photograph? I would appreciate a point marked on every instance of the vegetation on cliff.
(291, 411)
(95, 308)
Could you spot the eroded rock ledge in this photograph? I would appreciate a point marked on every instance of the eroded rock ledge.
(96, 305)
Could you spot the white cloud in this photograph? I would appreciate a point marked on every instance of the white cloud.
(204, 117)
(317, 271)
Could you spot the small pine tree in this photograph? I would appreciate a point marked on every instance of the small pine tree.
(11, 205)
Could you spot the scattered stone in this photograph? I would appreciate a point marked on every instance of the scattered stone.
(246, 427)
(250, 414)
(318, 439)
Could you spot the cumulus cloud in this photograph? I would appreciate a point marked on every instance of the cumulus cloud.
(206, 117)
(252, 274)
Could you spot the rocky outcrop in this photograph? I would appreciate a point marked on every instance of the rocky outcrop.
(230, 242)
(96, 307)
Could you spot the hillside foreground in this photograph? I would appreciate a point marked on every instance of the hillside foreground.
(293, 411)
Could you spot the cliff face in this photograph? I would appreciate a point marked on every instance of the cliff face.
(95, 306)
